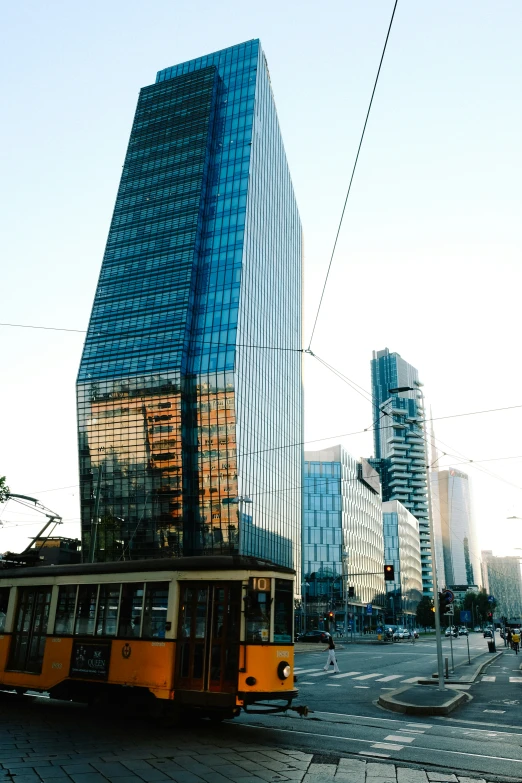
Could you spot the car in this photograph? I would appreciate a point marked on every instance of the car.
(314, 636)
(488, 633)
(477, 629)
(463, 631)
(451, 632)
(401, 633)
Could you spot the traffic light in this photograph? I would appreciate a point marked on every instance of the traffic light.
(351, 592)
(444, 604)
(490, 615)
(389, 573)
(331, 616)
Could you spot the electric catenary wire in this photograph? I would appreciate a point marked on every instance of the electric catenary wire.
(352, 176)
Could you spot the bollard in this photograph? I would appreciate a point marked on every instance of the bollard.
(446, 666)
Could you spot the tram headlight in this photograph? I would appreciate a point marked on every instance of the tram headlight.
(283, 671)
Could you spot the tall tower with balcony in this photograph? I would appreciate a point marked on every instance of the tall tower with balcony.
(400, 454)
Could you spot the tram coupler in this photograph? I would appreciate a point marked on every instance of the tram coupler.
(301, 710)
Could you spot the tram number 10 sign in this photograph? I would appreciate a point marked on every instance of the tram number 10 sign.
(259, 584)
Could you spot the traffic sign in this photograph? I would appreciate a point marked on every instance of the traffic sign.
(369, 609)
(465, 616)
(491, 599)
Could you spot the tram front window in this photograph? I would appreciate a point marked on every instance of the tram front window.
(257, 616)
(284, 611)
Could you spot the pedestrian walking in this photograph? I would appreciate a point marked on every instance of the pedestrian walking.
(331, 656)
(515, 640)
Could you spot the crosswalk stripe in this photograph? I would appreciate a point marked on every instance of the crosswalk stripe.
(319, 674)
(488, 678)
(515, 679)
(411, 679)
(389, 677)
(367, 676)
(340, 676)
(305, 671)
(397, 738)
(386, 746)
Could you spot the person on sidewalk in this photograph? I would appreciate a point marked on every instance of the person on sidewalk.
(515, 640)
(331, 656)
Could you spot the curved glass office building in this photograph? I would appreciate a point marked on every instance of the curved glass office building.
(189, 415)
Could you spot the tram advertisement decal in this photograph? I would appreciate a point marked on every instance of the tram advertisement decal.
(90, 659)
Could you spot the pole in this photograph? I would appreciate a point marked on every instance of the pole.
(450, 626)
(438, 637)
(467, 639)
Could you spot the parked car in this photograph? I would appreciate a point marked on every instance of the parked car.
(401, 633)
(314, 636)
(488, 633)
(463, 631)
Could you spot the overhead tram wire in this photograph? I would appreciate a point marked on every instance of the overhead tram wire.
(352, 175)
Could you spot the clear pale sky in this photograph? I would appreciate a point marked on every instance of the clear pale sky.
(429, 260)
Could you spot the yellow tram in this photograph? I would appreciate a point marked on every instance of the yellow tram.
(213, 634)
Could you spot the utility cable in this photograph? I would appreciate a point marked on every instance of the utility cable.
(352, 176)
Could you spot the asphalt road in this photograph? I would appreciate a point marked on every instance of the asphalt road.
(483, 737)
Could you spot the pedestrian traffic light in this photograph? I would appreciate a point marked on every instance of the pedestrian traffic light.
(389, 573)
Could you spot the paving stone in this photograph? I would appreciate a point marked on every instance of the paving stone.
(192, 765)
(325, 770)
(408, 775)
(216, 777)
(266, 774)
(350, 777)
(380, 771)
(235, 771)
(152, 775)
(110, 769)
(78, 769)
(26, 777)
(46, 773)
(88, 777)
(214, 760)
(57, 780)
(184, 777)
(349, 765)
(470, 780)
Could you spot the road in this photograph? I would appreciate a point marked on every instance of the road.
(483, 739)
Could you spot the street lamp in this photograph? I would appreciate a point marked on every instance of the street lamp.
(398, 390)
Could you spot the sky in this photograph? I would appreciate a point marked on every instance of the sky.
(429, 257)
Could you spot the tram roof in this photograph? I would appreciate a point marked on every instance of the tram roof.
(197, 563)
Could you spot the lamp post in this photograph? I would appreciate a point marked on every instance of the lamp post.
(438, 637)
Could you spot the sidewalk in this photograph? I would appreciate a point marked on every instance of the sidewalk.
(46, 744)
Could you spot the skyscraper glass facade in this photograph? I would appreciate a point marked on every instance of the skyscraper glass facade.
(459, 542)
(343, 538)
(186, 408)
(400, 445)
(402, 550)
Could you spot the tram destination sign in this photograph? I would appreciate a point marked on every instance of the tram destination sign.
(90, 659)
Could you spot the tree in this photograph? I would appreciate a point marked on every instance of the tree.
(4, 490)
(479, 604)
(425, 614)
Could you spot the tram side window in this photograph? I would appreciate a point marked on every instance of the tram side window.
(257, 615)
(65, 609)
(86, 609)
(155, 609)
(4, 600)
(284, 610)
(131, 609)
(108, 603)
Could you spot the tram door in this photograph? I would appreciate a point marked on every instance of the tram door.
(208, 636)
(28, 642)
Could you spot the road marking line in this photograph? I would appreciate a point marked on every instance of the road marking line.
(497, 712)
(307, 683)
(362, 687)
(515, 679)
(376, 755)
(420, 726)
(340, 676)
(389, 677)
(367, 676)
(397, 738)
(488, 678)
(413, 731)
(332, 685)
(388, 746)
(412, 679)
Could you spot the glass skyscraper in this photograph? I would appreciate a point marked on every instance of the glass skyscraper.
(400, 446)
(189, 415)
(402, 550)
(343, 538)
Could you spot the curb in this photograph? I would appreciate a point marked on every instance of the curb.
(469, 680)
(393, 704)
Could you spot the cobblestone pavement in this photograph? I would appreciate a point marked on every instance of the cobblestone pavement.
(50, 742)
